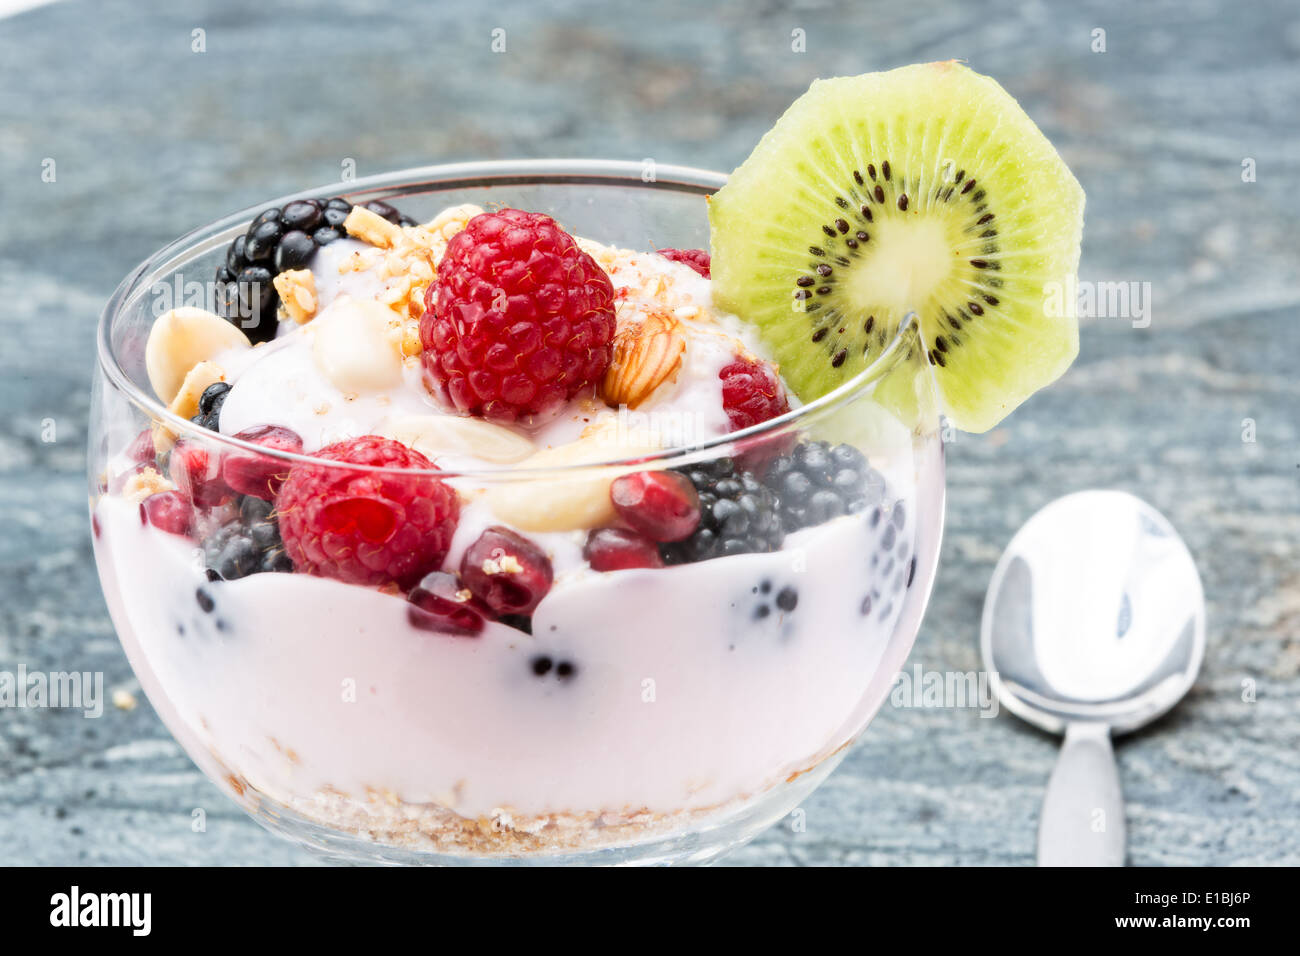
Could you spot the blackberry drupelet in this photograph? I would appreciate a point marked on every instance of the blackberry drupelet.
(738, 515)
(210, 402)
(279, 240)
(248, 543)
(817, 482)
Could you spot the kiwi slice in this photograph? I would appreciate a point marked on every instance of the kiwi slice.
(923, 189)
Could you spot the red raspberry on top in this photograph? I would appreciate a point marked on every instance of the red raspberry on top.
(697, 259)
(518, 321)
(751, 393)
(367, 527)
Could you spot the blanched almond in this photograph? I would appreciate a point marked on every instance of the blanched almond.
(355, 345)
(577, 501)
(436, 435)
(181, 339)
(647, 353)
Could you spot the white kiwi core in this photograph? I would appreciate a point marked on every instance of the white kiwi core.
(907, 260)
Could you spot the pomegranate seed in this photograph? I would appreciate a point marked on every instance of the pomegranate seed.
(141, 449)
(168, 511)
(506, 571)
(196, 471)
(662, 505)
(260, 475)
(440, 603)
(617, 549)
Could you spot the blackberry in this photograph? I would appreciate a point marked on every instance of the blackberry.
(738, 515)
(249, 543)
(543, 666)
(816, 482)
(278, 240)
(210, 402)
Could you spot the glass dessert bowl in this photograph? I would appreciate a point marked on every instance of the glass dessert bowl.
(538, 532)
(553, 680)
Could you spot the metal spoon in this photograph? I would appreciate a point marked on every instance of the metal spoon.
(1094, 624)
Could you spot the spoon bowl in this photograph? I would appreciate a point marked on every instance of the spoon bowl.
(1094, 625)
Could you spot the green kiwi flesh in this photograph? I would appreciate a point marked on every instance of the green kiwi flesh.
(923, 189)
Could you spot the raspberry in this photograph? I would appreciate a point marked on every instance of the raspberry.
(519, 320)
(507, 572)
(367, 527)
(662, 505)
(751, 393)
(697, 259)
(260, 475)
(617, 549)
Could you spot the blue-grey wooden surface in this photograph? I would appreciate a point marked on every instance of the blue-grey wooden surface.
(151, 139)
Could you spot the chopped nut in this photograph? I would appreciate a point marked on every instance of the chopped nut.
(371, 227)
(452, 220)
(396, 293)
(297, 289)
(411, 344)
(607, 256)
(357, 262)
(197, 380)
(405, 260)
(422, 268)
(655, 285)
(144, 483)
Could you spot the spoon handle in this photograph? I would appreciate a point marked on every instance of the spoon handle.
(1083, 813)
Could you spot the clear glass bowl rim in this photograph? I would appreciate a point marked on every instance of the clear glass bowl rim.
(574, 172)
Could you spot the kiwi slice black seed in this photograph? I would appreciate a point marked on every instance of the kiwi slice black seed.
(922, 189)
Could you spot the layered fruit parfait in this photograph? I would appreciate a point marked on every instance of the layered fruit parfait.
(475, 535)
